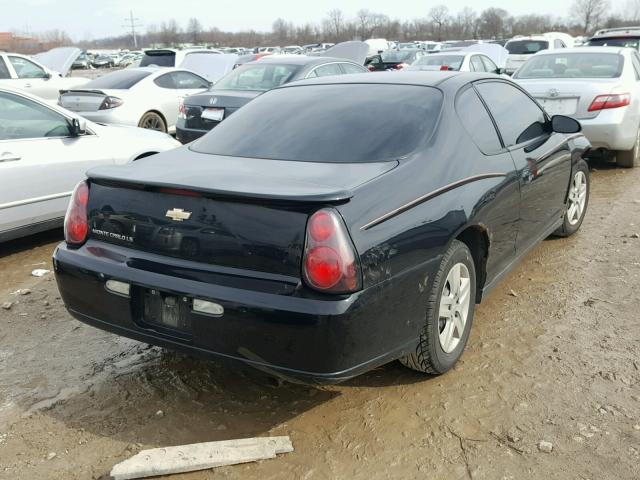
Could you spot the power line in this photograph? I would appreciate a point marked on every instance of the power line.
(132, 24)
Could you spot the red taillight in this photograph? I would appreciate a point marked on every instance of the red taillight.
(182, 111)
(400, 66)
(614, 100)
(444, 68)
(330, 263)
(76, 222)
(371, 68)
(110, 102)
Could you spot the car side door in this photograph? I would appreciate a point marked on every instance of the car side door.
(40, 161)
(168, 99)
(326, 70)
(542, 158)
(32, 78)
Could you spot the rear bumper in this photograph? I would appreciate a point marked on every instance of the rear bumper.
(187, 135)
(317, 339)
(613, 129)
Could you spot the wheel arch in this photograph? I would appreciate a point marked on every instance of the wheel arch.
(157, 112)
(476, 238)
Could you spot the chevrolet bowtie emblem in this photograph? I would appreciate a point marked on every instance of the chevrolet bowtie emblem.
(178, 215)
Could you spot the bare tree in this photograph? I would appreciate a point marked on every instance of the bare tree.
(335, 20)
(492, 22)
(364, 20)
(631, 11)
(439, 16)
(194, 30)
(589, 13)
(169, 32)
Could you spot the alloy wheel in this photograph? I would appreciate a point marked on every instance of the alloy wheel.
(454, 307)
(577, 198)
(152, 122)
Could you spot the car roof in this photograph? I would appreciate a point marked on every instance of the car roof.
(586, 49)
(422, 78)
(617, 32)
(300, 60)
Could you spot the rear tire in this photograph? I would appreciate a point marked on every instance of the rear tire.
(449, 314)
(153, 121)
(578, 200)
(629, 158)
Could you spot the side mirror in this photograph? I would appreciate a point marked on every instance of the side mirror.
(501, 71)
(562, 124)
(78, 127)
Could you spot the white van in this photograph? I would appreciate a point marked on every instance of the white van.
(521, 48)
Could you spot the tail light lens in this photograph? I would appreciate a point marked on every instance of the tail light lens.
(182, 111)
(615, 100)
(110, 102)
(400, 66)
(76, 221)
(330, 263)
(444, 68)
(371, 68)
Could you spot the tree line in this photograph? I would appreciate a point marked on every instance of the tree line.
(439, 23)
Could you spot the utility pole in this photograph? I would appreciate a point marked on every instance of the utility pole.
(132, 24)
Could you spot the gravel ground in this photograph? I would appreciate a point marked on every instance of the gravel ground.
(549, 386)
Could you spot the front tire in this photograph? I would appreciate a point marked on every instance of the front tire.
(629, 158)
(153, 121)
(577, 202)
(449, 313)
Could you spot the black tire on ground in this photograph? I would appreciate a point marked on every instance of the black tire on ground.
(629, 158)
(153, 121)
(568, 228)
(429, 356)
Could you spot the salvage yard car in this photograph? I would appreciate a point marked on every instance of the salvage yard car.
(599, 86)
(45, 76)
(455, 61)
(147, 97)
(318, 243)
(45, 151)
(200, 113)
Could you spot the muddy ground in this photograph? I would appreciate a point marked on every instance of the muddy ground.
(554, 355)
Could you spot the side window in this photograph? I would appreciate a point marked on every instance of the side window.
(559, 44)
(165, 81)
(351, 68)
(489, 66)
(477, 122)
(186, 80)
(330, 69)
(26, 68)
(23, 118)
(4, 71)
(519, 118)
(476, 64)
(635, 61)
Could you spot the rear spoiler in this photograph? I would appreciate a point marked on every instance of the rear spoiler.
(97, 92)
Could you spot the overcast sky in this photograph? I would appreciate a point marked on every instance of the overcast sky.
(86, 19)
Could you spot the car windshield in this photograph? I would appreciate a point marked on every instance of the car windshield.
(161, 59)
(391, 56)
(526, 47)
(629, 42)
(336, 123)
(573, 65)
(122, 80)
(257, 76)
(454, 62)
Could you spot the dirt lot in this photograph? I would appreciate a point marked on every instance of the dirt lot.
(554, 356)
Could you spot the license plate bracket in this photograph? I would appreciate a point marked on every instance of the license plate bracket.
(213, 114)
(166, 311)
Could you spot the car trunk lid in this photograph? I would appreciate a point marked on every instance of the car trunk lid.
(84, 100)
(215, 100)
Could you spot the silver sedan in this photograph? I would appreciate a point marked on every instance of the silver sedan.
(599, 86)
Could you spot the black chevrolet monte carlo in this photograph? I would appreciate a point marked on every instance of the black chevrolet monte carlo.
(317, 234)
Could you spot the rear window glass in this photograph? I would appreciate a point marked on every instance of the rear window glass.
(258, 76)
(391, 56)
(526, 47)
(454, 62)
(161, 59)
(574, 65)
(329, 123)
(122, 80)
(629, 42)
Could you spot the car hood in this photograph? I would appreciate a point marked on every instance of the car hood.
(211, 67)
(59, 59)
(355, 51)
(222, 98)
(494, 51)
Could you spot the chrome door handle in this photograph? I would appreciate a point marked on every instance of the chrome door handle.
(9, 157)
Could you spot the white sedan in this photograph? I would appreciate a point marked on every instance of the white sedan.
(45, 150)
(598, 86)
(146, 97)
(44, 75)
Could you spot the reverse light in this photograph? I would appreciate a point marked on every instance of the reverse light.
(76, 222)
(110, 102)
(614, 100)
(330, 263)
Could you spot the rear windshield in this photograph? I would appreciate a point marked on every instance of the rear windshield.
(122, 80)
(257, 76)
(629, 42)
(391, 56)
(574, 65)
(329, 123)
(526, 47)
(454, 62)
(161, 59)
